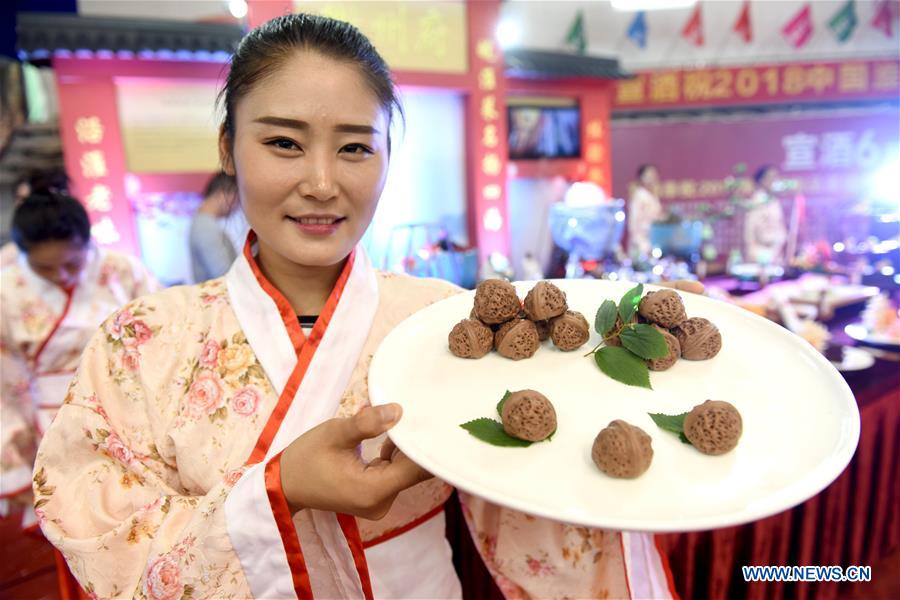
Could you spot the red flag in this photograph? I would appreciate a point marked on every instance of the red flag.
(693, 29)
(799, 29)
(884, 18)
(742, 25)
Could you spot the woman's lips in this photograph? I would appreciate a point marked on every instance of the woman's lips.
(321, 226)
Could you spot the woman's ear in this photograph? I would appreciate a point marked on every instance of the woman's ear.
(226, 148)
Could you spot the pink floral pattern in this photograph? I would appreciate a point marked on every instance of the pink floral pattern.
(245, 401)
(117, 449)
(163, 581)
(206, 394)
(209, 354)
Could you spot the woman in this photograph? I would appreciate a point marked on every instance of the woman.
(199, 454)
(644, 209)
(51, 302)
(211, 250)
(765, 233)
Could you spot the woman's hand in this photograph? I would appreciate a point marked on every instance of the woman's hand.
(322, 468)
(684, 285)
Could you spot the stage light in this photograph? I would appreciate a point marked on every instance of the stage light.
(237, 8)
(508, 33)
(636, 5)
(838, 247)
(885, 184)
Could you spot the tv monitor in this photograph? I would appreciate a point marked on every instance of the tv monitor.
(539, 131)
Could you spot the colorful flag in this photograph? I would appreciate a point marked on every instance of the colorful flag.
(844, 22)
(693, 29)
(576, 37)
(637, 31)
(742, 26)
(884, 18)
(799, 29)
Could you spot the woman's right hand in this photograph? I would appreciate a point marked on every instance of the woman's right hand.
(322, 468)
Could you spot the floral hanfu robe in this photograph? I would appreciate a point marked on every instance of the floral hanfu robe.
(160, 479)
(43, 330)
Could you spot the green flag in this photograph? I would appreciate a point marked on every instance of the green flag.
(575, 37)
(844, 22)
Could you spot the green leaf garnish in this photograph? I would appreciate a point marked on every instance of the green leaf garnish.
(645, 341)
(630, 301)
(606, 317)
(502, 402)
(671, 423)
(623, 366)
(491, 431)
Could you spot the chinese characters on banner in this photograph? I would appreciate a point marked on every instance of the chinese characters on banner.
(92, 148)
(487, 125)
(595, 133)
(760, 84)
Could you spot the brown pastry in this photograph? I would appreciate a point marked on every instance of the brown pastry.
(699, 339)
(622, 450)
(713, 427)
(661, 364)
(664, 308)
(545, 301)
(517, 339)
(528, 415)
(570, 330)
(470, 338)
(543, 329)
(496, 301)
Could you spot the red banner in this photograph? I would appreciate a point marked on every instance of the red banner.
(760, 84)
(92, 147)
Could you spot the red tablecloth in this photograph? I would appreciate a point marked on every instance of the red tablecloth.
(854, 521)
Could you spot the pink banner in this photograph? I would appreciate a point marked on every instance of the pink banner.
(92, 147)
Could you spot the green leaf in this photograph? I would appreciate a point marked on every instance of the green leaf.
(623, 366)
(491, 431)
(671, 423)
(630, 302)
(645, 341)
(502, 402)
(606, 317)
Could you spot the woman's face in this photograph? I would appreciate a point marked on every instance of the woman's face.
(59, 261)
(310, 154)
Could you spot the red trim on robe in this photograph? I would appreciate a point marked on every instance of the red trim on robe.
(351, 532)
(305, 349)
(664, 559)
(16, 492)
(283, 518)
(625, 563)
(288, 316)
(37, 355)
(304, 355)
(403, 529)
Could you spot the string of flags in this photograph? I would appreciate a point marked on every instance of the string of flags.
(797, 31)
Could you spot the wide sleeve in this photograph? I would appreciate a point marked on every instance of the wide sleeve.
(16, 419)
(116, 509)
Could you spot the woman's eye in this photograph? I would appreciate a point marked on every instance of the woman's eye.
(357, 149)
(283, 144)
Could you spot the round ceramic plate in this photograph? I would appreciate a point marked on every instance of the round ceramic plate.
(801, 423)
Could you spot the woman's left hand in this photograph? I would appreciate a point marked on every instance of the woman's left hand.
(684, 285)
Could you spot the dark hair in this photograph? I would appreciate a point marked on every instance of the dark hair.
(643, 169)
(54, 181)
(760, 173)
(48, 216)
(268, 46)
(220, 182)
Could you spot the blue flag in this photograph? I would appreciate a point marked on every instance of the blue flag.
(637, 31)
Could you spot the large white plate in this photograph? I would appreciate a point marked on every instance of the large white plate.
(801, 423)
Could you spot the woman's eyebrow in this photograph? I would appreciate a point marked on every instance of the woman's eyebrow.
(304, 126)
